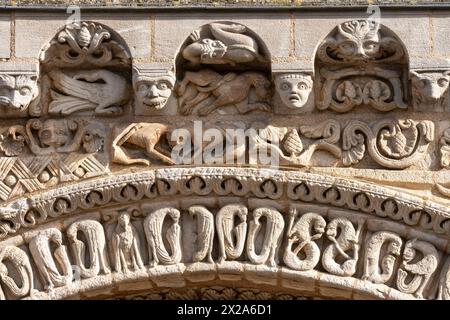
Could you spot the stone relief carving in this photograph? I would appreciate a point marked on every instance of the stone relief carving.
(421, 271)
(40, 248)
(85, 43)
(304, 238)
(96, 245)
(101, 91)
(125, 245)
(300, 234)
(430, 91)
(152, 87)
(294, 89)
(272, 238)
(153, 226)
(392, 144)
(231, 236)
(347, 239)
(444, 143)
(221, 43)
(444, 283)
(206, 91)
(374, 262)
(17, 91)
(361, 63)
(21, 264)
(205, 233)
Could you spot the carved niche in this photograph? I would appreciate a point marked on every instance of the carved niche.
(86, 69)
(223, 67)
(361, 62)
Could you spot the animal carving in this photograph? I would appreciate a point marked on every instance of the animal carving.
(17, 91)
(421, 271)
(153, 227)
(231, 237)
(100, 90)
(125, 245)
(348, 240)
(444, 282)
(40, 248)
(142, 135)
(96, 244)
(372, 256)
(21, 264)
(430, 91)
(306, 230)
(207, 90)
(205, 232)
(272, 238)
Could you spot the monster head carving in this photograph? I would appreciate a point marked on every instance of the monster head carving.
(56, 133)
(17, 91)
(294, 89)
(153, 89)
(430, 90)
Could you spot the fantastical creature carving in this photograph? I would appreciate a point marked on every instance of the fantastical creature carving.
(206, 90)
(287, 145)
(444, 143)
(430, 91)
(303, 233)
(231, 236)
(17, 91)
(144, 136)
(294, 89)
(421, 270)
(152, 88)
(344, 238)
(87, 44)
(153, 227)
(374, 263)
(272, 237)
(221, 43)
(444, 282)
(41, 249)
(19, 261)
(125, 245)
(205, 233)
(98, 90)
(95, 244)
(359, 41)
(392, 144)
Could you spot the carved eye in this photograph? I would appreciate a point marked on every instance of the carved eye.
(142, 87)
(302, 86)
(422, 84)
(370, 46)
(45, 134)
(24, 91)
(442, 82)
(163, 86)
(285, 86)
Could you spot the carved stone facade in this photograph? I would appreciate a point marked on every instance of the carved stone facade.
(302, 160)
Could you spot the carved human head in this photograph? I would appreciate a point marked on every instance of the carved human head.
(17, 91)
(430, 85)
(153, 89)
(294, 89)
(319, 226)
(55, 133)
(123, 219)
(409, 253)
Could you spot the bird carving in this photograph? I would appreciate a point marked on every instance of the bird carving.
(99, 90)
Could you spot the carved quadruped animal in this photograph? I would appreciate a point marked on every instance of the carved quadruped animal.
(272, 238)
(205, 233)
(227, 231)
(153, 227)
(206, 90)
(430, 91)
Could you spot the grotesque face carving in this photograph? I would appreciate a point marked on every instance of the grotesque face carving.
(294, 89)
(153, 91)
(432, 85)
(55, 133)
(17, 91)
